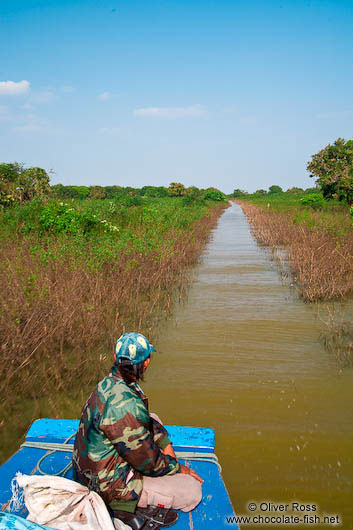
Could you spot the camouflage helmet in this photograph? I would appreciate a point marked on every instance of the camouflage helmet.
(133, 347)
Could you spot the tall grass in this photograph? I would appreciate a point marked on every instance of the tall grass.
(315, 248)
(67, 295)
(318, 244)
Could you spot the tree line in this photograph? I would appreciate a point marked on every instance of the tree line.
(332, 167)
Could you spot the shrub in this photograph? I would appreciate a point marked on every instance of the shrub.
(212, 194)
(176, 189)
(58, 217)
(314, 200)
(239, 193)
(274, 189)
(18, 184)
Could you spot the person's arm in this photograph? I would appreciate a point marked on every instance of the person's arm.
(161, 438)
(188, 471)
(160, 433)
(134, 441)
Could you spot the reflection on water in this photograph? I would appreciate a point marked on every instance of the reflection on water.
(242, 356)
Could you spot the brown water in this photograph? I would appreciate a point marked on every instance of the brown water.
(243, 356)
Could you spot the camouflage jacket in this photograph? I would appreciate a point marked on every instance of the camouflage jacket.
(116, 438)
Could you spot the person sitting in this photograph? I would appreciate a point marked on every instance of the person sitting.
(123, 452)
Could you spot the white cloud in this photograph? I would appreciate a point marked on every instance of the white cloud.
(105, 96)
(108, 130)
(329, 115)
(67, 89)
(30, 123)
(230, 110)
(28, 127)
(27, 106)
(4, 113)
(171, 112)
(44, 96)
(11, 88)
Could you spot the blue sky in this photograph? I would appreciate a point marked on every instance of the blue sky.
(225, 93)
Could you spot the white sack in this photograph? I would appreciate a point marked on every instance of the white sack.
(64, 504)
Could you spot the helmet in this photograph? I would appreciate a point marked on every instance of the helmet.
(134, 347)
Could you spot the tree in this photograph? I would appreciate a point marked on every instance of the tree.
(18, 184)
(295, 190)
(176, 189)
(333, 167)
(114, 192)
(213, 194)
(154, 191)
(97, 192)
(274, 189)
(239, 193)
(261, 192)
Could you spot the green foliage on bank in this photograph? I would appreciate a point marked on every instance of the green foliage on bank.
(19, 184)
(310, 209)
(333, 168)
(131, 195)
(94, 230)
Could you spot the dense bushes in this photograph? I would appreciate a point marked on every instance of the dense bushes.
(76, 274)
(18, 184)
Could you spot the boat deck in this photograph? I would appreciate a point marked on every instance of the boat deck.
(209, 515)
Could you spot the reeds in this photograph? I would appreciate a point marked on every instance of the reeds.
(338, 335)
(319, 248)
(59, 319)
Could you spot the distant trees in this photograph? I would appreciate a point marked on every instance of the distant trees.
(97, 192)
(154, 191)
(239, 193)
(176, 189)
(274, 189)
(70, 192)
(294, 190)
(18, 184)
(333, 167)
(213, 194)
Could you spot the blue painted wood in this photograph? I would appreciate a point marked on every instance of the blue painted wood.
(209, 515)
(183, 438)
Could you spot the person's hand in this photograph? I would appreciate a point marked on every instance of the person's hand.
(168, 450)
(188, 471)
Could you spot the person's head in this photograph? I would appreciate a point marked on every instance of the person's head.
(132, 356)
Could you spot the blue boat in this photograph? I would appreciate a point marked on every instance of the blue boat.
(48, 448)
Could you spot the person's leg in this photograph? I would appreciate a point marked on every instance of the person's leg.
(181, 492)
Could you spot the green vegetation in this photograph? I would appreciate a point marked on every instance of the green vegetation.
(333, 167)
(81, 265)
(274, 189)
(309, 209)
(19, 184)
(317, 235)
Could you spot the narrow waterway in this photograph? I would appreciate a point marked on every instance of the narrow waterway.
(242, 355)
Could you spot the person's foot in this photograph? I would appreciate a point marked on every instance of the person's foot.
(164, 517)
(131, 519)
(149, 518)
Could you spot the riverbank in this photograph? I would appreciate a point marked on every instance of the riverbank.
(314, 252)
(318, 244)
(75, 276)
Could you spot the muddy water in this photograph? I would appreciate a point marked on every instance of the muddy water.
(243, 356)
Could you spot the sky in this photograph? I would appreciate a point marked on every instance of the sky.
(224, 93)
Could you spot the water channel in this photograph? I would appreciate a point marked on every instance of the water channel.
(242, 355)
